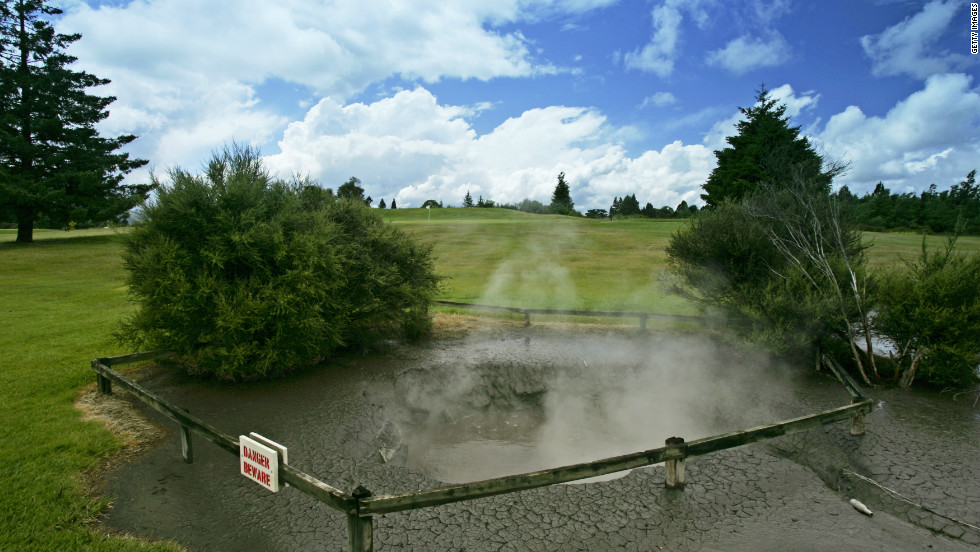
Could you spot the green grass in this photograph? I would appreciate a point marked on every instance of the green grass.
(64, 295)
(61, 298)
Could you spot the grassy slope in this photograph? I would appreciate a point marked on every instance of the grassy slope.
(63, 296)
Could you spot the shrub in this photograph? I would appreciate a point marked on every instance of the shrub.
(931, 313)
(245, 276)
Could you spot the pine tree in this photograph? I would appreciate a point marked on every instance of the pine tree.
(382, 205)
(561, 199)
(766, 149)
(54, 166)
(393, 205)
(467, 199)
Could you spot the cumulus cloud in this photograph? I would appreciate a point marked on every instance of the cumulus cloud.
(909, 48)
(413, 148)
(747, 53)
(936, 129)
(187, 95)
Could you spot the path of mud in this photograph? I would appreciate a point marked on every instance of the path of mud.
(787, 494)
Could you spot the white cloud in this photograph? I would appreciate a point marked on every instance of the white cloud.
(908, 47)
(747, 53)
(413, 148)
(185, 72)
(659, 99)
(936, 129)
(658, 55)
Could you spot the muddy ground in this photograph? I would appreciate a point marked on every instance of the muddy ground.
(358, 422)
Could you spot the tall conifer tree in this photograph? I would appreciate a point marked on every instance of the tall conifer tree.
(54, 165)
(561, 199)
(766, 149)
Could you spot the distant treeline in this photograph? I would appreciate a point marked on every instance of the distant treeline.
(954, 210)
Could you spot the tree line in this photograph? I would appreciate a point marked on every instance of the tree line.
(942, 212)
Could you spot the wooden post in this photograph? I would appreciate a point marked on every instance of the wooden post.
(857, 422)
(643, 323)
(527, 318)
(674, 468)
(360, 530)
(186, 446)
(102, 383)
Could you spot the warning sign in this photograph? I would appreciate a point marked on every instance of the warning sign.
(259, 459)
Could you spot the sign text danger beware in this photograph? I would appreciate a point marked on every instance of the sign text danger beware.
(259, 463)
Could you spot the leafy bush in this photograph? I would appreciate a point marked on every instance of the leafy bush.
(726, 259)
(245, 276)
(931, 313)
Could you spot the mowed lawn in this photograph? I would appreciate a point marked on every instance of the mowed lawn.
(64, 295)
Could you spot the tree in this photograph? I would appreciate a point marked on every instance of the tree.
(930, 311)
(807, 228)
(393, 205)
(381, 204)
(245, 276)
(766, 148)
(352, 190)
(596, 214)
(467, 199)
(534, 206)
(431, 204)
(561, 199)
(53, 162)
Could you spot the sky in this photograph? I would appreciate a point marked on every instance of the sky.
(431, 100)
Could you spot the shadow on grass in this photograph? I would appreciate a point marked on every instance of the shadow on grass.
(44, 241)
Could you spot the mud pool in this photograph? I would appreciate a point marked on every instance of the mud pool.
(507, 399)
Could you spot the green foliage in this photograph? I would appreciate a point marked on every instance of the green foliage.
(764, 150)
(954, 210)
(432, 204)
(352, 190)
(467, 199)
(246, 277)
(561, 199)
(932, 309)
(532, 206)
(54, 166)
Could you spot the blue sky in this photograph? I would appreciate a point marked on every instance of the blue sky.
(428, 100)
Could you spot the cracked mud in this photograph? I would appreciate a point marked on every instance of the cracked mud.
(507, 399)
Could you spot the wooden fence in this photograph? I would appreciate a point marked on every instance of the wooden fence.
(361, 505)
(643, 316)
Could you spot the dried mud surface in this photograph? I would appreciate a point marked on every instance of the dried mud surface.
(786, 494)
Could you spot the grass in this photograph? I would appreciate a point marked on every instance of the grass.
(64, 295)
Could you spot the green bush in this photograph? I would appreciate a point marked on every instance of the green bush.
(245, 276)
(930, 311)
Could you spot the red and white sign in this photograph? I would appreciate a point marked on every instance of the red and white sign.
(259, 459)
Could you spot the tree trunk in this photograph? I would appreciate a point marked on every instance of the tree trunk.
(25, 228)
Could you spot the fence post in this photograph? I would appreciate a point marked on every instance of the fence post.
(102, 383)
(857, 422)
(643, 323)
(186, 446)
(674, 468)
(360, 530)
(527, 318)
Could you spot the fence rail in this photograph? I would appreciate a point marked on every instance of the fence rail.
(643, 316)
(360, 505)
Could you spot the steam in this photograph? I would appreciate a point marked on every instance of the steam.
(507, 400)
(496, 406)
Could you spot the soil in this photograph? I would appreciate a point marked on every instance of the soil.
(352, 424)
